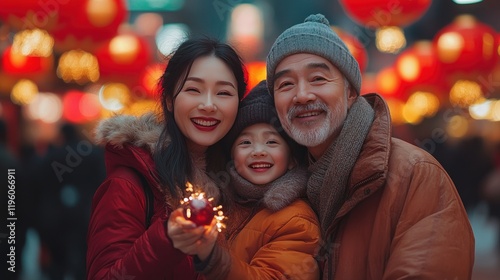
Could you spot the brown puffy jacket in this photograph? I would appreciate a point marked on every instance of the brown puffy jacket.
(402, 218)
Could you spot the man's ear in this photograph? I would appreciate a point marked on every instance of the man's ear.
(351, 97)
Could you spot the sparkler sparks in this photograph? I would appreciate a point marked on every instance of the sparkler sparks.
(199, 209)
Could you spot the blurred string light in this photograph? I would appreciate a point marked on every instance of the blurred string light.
(488, 109)
(387, 82)
(78, 66)
(90, 107)
(150, 78)
(170, 36)
(465, 93)
(396, 108)
(495, 111)
(101, 12)
(114, 96)
(70, 197)
(426, 103)
(141, 107)
(246, 30)
(390, 39)
(420, 105)
(34, 42)
(155, 5)
(147, 24)
(24, 92)
(46, 107)
(460, 2)
(449, 46)
(480, 110)
(411, 114)
(457, 126)
(124, 48)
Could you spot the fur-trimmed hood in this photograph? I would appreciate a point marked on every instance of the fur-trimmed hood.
(141, 131)
(130, 141)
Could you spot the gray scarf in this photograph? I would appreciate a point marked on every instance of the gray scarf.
(328, 181)
(274, 195)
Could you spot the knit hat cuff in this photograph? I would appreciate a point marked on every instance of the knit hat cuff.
(292, 45)
(314, 36)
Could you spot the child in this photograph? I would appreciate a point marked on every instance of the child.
(271, 232)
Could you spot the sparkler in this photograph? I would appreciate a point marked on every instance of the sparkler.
(199, 209)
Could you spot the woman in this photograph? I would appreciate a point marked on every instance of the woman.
(200, 92)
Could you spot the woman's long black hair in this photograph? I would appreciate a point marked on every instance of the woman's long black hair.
(173, 161)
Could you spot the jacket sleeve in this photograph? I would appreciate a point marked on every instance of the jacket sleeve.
(433, 239)
(289, 255)
(119, 246)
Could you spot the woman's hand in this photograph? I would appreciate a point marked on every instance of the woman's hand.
(189, 238)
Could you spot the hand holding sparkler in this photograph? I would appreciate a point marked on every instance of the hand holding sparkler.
(199, 209)
(193, 227)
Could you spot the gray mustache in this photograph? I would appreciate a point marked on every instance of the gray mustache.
(298, 109)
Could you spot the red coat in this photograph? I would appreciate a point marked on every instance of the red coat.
(119, 246)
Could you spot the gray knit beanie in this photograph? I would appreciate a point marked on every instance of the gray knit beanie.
(313, 36)
(256, 107)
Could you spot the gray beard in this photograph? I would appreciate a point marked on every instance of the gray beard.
(318, 135)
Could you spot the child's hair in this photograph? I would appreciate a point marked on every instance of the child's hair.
(173, 162)
(258, 107)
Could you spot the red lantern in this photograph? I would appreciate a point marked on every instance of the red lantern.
(90, 22)
(123, 58)
(379, 13)
(467, 45)
(25, 66)
(73, 23)
(71, 106)
(369, 83)
(389, 84)
(80, 107)
(355, 47)
(387, 17)
(256, 73)
(29, 14)
(150, 78)
(420, 70)
(419, 64)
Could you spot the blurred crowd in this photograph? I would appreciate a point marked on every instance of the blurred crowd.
(54, 189)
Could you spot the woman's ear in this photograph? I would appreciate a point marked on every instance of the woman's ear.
(170, 105)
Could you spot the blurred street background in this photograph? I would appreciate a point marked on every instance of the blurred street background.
(66, 64)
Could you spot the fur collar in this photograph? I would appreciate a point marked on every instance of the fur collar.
(141, 131)
(144, 132)
(277, 194)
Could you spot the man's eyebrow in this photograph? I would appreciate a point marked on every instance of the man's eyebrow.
(311, 65)
(321, 65)
(281, 73)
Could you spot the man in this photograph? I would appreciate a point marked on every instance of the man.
(388, 210)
